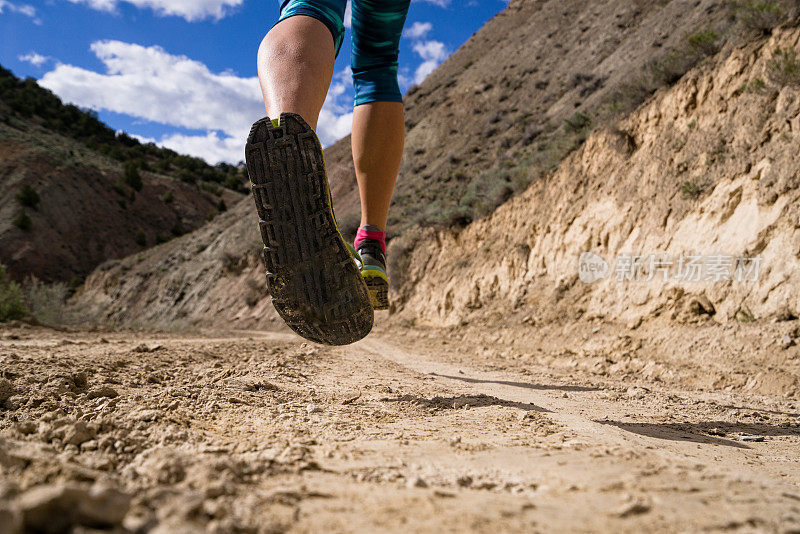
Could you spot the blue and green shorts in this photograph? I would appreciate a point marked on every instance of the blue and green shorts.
(376, 27)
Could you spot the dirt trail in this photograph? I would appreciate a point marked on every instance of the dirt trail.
(260, 432)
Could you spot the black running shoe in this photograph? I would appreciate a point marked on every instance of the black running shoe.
(312, 275)
(373, 269)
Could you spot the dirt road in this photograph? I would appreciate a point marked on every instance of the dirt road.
(406, 431)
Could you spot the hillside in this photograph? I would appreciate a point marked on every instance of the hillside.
(66, 208)
(525, 91)
(127, 293)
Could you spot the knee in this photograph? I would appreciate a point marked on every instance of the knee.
(376, 83)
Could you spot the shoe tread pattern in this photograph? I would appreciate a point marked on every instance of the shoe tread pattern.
(315, 286)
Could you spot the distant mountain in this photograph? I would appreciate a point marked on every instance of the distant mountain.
(74, 194)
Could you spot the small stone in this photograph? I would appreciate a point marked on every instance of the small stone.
(417, 482)
(313, 408)
(633, 508)
(751, 438)
(565, 395)
(635, 323)
(786, 342)
(7, 390)
(455, 440)
(716, 432)
(464, 481)
(27, 427)
(78, 433)
(58, 507)
(102, 391)
(141, 348)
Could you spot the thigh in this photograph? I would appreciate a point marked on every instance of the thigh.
(377, 26)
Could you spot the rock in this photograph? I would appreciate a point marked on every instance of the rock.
(633, 508)
(27, 427)
(7, 390)
(455, 440)
(102, 391)
(464, 481)
(60, 507)
(417, 482)
(636, 392)
(751, 438)
(787, 341)
(313, 408)
(106, 505)
(78, 433)
(634, 324)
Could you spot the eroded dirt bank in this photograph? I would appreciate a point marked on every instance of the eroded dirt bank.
(409, 430)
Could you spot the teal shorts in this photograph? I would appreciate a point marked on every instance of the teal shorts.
(376, 27)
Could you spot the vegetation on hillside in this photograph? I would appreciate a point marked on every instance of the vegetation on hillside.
(26, 99)
(527, 145)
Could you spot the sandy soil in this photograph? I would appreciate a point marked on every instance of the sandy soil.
(407, 431)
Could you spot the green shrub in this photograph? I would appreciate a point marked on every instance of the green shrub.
(578, 122)
(22, 221)
(704, 42)
(168, 197)
(761, 16)
(221, 206)
(692, 189)
(161, 239)
(141, 238)
(27, 197)
(177, 229)
(46, 302)
(784, 67)
(12, 303)
(132, 177)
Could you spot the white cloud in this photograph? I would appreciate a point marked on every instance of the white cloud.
(440, 3)
(37, 60)
(432, 54)
(191, 10)
(418, 30)
(149, 83)
(22, 9)
(348, 15)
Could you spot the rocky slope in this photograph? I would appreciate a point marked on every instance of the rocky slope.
(86, 214)
(523, 92)
(707, 167)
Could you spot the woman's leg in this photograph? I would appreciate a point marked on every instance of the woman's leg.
(377, 142)
(378, 125)
(295, 59)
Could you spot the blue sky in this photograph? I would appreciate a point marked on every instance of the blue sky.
(182, 73)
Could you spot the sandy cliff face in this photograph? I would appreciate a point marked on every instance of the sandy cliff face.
(706, 167)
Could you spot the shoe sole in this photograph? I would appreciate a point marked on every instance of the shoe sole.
(378, 289)
(315, 285)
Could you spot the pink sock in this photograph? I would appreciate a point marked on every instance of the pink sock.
(369, 231)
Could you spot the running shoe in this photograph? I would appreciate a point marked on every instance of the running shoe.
(312, 274)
